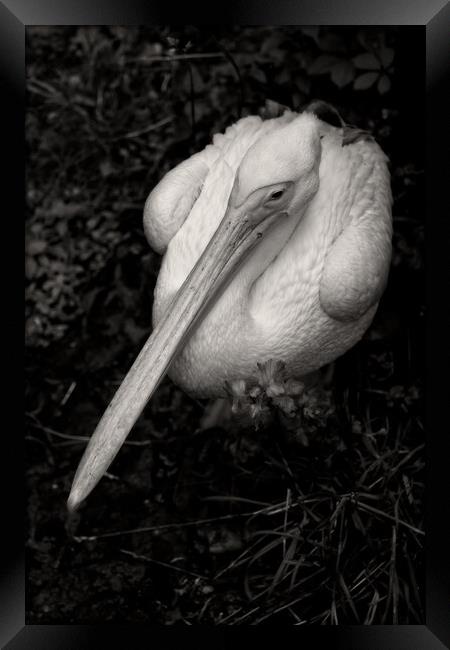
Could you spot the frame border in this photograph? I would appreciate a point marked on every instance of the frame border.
(434, 16)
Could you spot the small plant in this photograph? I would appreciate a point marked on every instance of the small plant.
(271, 392)
(376, 67)
(371, 68)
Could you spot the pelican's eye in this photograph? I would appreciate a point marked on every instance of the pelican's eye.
(276, 195)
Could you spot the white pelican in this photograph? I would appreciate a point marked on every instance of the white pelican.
(277, 245)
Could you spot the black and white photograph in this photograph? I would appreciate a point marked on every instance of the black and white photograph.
(225, 313)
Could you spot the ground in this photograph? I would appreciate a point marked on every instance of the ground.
(316, 519)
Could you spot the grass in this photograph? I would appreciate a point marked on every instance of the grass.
(311, 520)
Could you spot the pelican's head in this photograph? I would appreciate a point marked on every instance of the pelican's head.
(277, 178)
(280, 171)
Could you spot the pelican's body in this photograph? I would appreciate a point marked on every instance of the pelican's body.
(282, 305)
(276, 242)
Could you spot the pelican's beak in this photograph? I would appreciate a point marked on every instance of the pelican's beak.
(236, 235)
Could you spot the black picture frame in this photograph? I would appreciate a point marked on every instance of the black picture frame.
(434, 16)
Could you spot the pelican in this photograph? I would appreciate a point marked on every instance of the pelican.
(277, 243)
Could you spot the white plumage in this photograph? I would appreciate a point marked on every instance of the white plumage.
(277, 243)
(310, 289)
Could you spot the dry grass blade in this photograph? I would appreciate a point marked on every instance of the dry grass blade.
(380, 513)
(348, 597)
(172, 567)
(184, 524)
(372, 608)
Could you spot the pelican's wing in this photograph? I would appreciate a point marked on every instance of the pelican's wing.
(170, 202)
(357, 264)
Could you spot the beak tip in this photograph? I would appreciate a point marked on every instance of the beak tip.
(89, 472)
(79, 490)
(73, 501)
(87, 476)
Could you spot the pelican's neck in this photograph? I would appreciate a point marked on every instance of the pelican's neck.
(237, 294)
(268, 250)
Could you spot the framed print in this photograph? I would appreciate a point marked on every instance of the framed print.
(269, 368)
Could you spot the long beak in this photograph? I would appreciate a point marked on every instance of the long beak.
(230, 244)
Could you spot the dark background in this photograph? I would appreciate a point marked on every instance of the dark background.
(110, 110)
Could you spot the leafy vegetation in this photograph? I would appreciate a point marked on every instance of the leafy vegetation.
(314, 519)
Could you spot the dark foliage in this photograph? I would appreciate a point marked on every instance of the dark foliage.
(316, 524)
